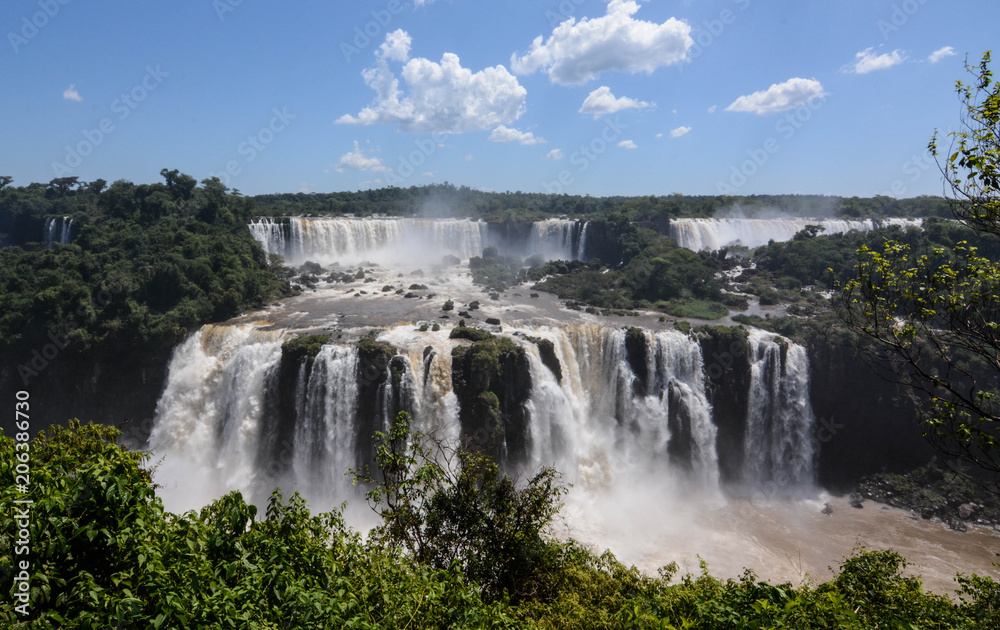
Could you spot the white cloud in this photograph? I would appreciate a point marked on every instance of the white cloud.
(941, 53)
(70, 94)
(396, 46)
(628, 144)
(779, 97)
(577, 52)
(659, 135)
(356, 160)
(443, 97)
(680, 131)
(711, 110)
(867, 61)
(601, 102)
(506, 134)
(554, 154)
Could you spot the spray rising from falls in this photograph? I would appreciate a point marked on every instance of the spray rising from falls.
(599, 404)
(713, 234)
(409, 241)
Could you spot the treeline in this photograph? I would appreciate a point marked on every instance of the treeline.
(446, 200)
(147, 263)
(98, 550)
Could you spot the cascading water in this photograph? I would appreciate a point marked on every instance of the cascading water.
(325, 434)
(779, 430)
(209, 418)
(409, 241)
(57, 230)
(713, 234)
(558, 239)
(617, 403)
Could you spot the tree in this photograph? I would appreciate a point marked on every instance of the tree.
(931, 319)
(450, 508)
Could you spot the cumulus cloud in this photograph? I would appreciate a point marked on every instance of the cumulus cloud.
(711, 110)
(554, 154)
(70, 94)
(506, 134)
(628, 144)
(443, 97)
(867, 61)
(941, 53)
(779, 97)
(356, 160)
(396, 46)
(601, 102)
(577, 52)
(680, 131)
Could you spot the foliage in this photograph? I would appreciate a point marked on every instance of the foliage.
(148, 264)
(696, 309)
(105, 554)
(470, 332)
(304, 347)
(933, 317)
(456, 509)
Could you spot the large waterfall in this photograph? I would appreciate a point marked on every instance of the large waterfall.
(408, 241)
(602, 404)
(712, 234)
(57, 230)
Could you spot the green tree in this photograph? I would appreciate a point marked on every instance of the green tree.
(932, 319)
(455, 508)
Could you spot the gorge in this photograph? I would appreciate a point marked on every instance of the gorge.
(642, 417)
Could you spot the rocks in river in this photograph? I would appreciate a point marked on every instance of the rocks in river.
(450, 261)
(387, 288)
(493, 321)
(494, 296)
(534, 295)
(411, 295)
(827, 510)
(418, 287)
(464, 314)
(856, 501)
(967, 510)
(474, 306)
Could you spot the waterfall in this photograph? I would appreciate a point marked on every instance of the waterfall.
(713, 234)
(409, 241)
(356, 240)
(325, 437)
(779, 442)
(557, 239)
(209, 418)
(57, 230)
(621, 405)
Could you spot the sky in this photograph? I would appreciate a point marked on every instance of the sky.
(584, 97)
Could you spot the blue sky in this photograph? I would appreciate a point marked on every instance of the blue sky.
(578, 96)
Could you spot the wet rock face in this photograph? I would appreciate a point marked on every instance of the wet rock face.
(492, 381)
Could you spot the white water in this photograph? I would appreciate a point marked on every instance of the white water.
(57, 230)
(596, 424)
(779, 444)
(384, 240)
(713, 234)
